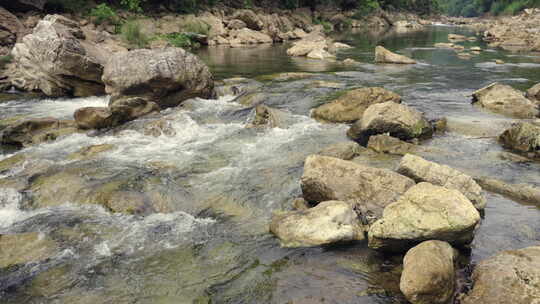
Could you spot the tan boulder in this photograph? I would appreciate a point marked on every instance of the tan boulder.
(511, 276)
(327, 223)
(368, 189)
(383, 55)
(397, 120)
(422, 170)
(351, 106)
(428, 275)
(506, 100)
(424, 212)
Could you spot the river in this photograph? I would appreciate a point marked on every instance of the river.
(217, 183)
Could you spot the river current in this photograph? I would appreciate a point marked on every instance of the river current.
(218, 183)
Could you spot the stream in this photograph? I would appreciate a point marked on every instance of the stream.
(215, 183)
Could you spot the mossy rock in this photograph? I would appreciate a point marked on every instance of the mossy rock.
(90, 152)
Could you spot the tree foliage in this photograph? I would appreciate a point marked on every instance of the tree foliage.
(471, 8)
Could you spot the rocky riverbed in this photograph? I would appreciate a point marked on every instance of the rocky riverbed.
(410, 175)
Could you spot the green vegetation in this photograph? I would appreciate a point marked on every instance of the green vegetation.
(471, 8)
(5, 60)
(132, 34)
(103, 13)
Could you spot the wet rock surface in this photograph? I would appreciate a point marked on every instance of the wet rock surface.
(422, 170)
(505, 100)
(383, 55)
(368, 189)
(351, 106)
(397, 120)
(508, 277)
(329, 222)
(424, 212)
(428, 275)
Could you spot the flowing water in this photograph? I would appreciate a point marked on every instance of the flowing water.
(216, 184)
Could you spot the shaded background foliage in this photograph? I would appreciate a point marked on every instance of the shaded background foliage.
(466, 8)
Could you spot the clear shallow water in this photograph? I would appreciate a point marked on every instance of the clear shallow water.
(219, 183)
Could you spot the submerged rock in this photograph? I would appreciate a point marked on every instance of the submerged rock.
(236, 86)
(268, 117)
(444, 45)
(90, 151)
(328, 222)
(456, 37)
(520, 192)
(163, 76)
(428, 273)
(120, 111)
(23, 248)
(511, 276)
(34, 131)
(422, 170)
(383, 55)
(351, 106)
(368, 189)
(56, 60)
(344, 150)
(522, 137)
(391, 145)
(505, 100)
(397, 120)
(425, 212)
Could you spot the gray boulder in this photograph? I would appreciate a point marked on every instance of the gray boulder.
(56, 60)
(368, 189)
(422, 170)
(350, 106)
(505, 100)
(424, 212)
(327, 223)
(397, 120)
(511, 276)
(164, 76)
(428, 275)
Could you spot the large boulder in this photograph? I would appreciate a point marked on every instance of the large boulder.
(23, 248)
(252, 20)
(350, 106)
(120, 111)
(315, 41)
(247, 36)
(368, 189)
(522, 137)
(383, 55)
(34, 131)
(56, 60)
(428, 275)
(505, 100)
(327, 223)
(511, 276)
(397, 120)
(163, 76)
(422, 170)
(425, 212)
